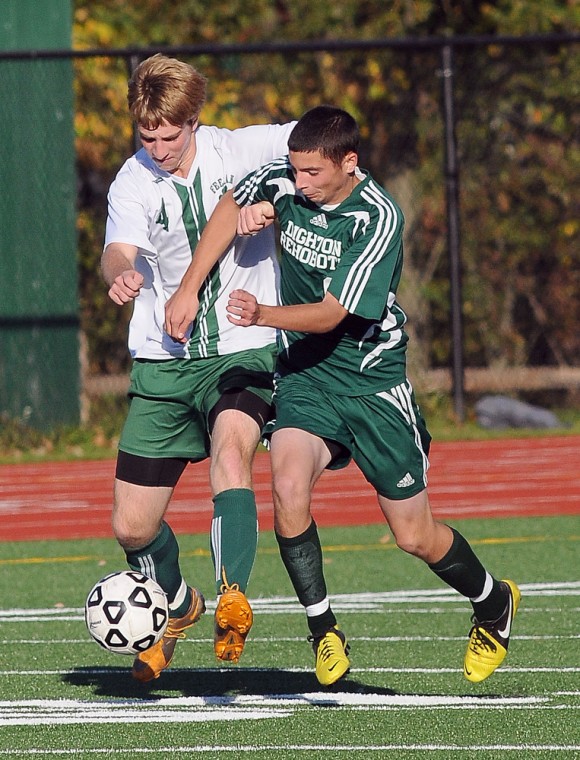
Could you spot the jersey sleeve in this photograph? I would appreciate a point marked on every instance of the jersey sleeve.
(262, 143)
(264, 184)
(369, 271)
(127, 217)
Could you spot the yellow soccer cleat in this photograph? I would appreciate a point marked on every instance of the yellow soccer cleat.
(149, 665)
(233, 620)
(331, 652)
(488, 640)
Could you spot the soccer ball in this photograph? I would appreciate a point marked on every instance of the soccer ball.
(126, 612)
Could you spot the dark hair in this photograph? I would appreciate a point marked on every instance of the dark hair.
(326, 129)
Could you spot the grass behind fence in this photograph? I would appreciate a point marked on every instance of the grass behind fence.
(98, 438)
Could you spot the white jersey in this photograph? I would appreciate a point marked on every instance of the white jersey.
(164, 216)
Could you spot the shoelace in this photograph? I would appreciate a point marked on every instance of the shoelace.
(480, 641)
(171, 634)
(225, 585)
(326, 646)
(327, 649)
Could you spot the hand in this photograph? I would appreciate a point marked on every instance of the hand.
(180, 312)
(126, 287)
(253, 219)
(243, 308)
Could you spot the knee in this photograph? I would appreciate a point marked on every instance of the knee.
(288, 492)
(415, 541)
(229, 458)
(291, 506)
(231, 467)
(129, 535)
(412, 545)
(125, 537)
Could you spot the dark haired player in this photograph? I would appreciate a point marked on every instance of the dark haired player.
(342, 390)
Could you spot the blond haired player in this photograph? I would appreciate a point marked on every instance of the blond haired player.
(207, 396)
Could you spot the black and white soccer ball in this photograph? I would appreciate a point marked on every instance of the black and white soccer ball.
(126, 612)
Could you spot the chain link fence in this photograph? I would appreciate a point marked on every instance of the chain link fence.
(478, 139)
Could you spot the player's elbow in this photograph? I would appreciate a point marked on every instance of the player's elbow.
(330, 315)
(326, 324)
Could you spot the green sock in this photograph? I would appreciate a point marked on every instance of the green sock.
(302, 558)
(234, 536)
(461, 569)
(160, 560)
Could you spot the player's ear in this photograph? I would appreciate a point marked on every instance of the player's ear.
(350, 162)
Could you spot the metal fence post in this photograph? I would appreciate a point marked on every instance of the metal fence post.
(452, 195)
(132, 61)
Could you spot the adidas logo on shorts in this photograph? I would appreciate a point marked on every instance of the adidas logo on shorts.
(406, 481)
(319, 221)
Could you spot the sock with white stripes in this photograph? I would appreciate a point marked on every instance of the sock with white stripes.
(461, 569)
(234, 537)
(302, 558)
(160, 560)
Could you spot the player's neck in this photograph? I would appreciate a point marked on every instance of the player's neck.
(346, 191)
(184, 167)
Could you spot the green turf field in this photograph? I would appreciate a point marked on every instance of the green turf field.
(62, 695)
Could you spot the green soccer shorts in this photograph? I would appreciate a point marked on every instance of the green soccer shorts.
(384, 433)
(169, 401)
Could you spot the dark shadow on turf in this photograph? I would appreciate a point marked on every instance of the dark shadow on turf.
(112, 682)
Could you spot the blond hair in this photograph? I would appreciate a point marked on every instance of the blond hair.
(165, 89)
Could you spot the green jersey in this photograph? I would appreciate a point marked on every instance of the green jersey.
(355, 252)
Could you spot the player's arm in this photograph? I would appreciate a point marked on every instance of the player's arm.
(255, 218)
(323, 316)
(118, 270)
(181, 308)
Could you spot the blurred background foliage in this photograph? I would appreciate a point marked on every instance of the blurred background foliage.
(518, 129)
(517, 133)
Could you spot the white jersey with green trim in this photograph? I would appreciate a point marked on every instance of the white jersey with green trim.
(164, 217)
(353, 250)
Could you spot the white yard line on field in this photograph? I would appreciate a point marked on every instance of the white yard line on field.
(285, 748)
(300, 639)
(40, 712)
(345, 603)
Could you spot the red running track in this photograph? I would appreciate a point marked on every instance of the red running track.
(500, 478)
